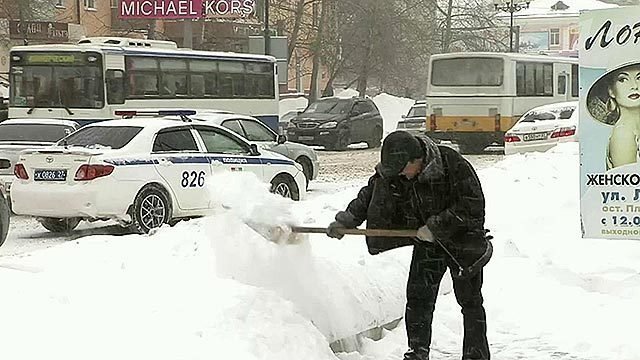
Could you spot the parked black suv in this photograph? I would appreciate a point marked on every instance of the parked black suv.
(335, 123)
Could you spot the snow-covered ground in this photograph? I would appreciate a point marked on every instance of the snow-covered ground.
(214, 288)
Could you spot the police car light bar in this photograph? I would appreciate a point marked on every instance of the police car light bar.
(155, 113)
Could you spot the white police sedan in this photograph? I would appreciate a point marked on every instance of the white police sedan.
(141, 172)
(256, 132)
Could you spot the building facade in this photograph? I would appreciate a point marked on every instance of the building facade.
(550, 26)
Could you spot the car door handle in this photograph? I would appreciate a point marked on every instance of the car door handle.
(164, 161)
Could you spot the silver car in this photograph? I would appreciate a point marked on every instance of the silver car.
(416, 119)
(257, 132)
(20, 134)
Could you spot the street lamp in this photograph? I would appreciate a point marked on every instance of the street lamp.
(511, 6)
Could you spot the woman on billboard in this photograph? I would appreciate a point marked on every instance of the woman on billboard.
(615, 100)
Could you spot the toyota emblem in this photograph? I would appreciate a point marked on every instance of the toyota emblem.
(49, 159)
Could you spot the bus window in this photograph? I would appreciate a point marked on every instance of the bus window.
(202, 76)
(115, 86)
(143, 76)
(231, 79)
(534, 79)
(173, 75)
(143, 84)
(467, 72)
(259, 80)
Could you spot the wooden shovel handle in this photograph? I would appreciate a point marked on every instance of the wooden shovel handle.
(367, 232)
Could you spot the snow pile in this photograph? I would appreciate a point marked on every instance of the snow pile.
(392, 108)
(214, 288)
(208, 288)
(295, 104)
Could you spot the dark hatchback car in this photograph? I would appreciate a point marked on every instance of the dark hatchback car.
(335, 123)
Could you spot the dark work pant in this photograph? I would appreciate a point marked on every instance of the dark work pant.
(428, 266)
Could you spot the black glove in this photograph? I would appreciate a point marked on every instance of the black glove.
(334, 230)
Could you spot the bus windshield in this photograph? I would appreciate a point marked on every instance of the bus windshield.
(467, 71)
(56, 81)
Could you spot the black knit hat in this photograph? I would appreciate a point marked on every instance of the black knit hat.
(398, 148)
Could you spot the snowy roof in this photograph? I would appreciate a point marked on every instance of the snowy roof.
(556, 8)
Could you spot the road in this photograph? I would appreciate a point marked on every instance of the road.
(26, 234)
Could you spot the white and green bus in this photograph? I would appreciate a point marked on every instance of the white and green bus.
(89, 81)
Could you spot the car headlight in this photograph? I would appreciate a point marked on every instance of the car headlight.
(329, 125)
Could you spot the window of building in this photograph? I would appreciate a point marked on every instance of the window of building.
(59, 3)
(90, 4)
(562, 84)
(534, 79)
(554, 37)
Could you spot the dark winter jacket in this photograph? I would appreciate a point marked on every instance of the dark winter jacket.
(446, 196)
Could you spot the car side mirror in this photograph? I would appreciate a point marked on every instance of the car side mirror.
(5, 164)
(404, 116)
(281, 139)
(253, 150)
(300, 112)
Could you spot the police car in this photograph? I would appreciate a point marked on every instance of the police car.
(141, 172)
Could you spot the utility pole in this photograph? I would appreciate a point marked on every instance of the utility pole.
(187, 41)
(510, 7)
(267, 31)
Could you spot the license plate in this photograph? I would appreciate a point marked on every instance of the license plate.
(535, 136)
(305, 137)
(50, 175)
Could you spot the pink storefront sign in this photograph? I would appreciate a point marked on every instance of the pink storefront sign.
(160, 9)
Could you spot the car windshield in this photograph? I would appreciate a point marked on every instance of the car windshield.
(330, 106)
(552, 114)
(99, 137)
(49, 133)
(418, 111)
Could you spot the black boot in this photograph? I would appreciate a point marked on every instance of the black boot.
(417, 354)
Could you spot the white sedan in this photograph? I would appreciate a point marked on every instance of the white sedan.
(542, 128)
(255, 131)
(140, 172)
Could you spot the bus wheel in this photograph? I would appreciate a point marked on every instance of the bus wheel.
(472, 147)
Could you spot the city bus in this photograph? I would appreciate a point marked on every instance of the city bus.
(474, 98)
(90, 80)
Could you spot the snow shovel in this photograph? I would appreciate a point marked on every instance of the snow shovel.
(290, 234)
(356, 231)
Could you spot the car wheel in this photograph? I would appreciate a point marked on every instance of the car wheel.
(151, 209)
(341, 143)
(4, 219)
(59, 225)
(285, 186)
(377, 138)
(307, 168)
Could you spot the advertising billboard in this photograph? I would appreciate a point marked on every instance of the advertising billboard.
(185, 9)
(609, 124)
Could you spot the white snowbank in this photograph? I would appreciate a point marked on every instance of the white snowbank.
(213, 288)
(392, 108)
(208, 288)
